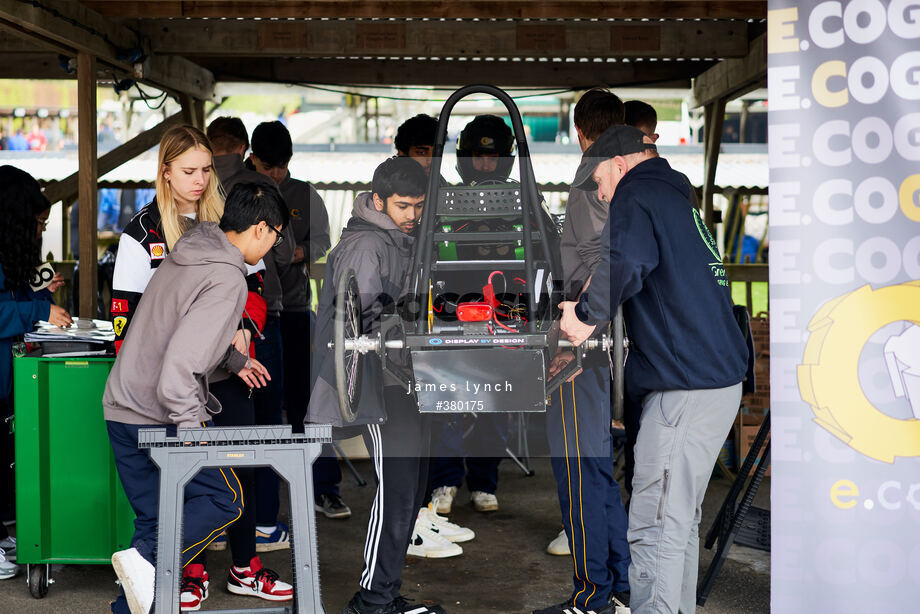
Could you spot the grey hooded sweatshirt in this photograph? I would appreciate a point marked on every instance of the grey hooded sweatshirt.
(381, 256)
(181, 331)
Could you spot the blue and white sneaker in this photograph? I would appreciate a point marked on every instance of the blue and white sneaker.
(279, 539)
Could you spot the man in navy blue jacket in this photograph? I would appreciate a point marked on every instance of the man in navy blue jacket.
(687, 355)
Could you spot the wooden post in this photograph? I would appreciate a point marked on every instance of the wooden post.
(67, 248)
(189, 115)
(198, 113)
(715, 117)
(376, 120)
(743, 122)
(86, 112)
(562, 128)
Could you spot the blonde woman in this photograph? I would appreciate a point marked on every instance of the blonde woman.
(188, 192)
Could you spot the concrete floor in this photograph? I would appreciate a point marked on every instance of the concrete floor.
(505, 569)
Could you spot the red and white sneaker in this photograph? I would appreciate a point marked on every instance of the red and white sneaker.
(194, 588)
(257, 581)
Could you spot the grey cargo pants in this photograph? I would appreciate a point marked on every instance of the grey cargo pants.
(680, 437)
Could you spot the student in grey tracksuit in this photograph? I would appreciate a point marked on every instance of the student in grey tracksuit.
(377, 245)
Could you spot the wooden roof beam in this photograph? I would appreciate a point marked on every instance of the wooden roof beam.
(455, 73)
(70, 28)
(448, 9)
(732, 78)
(399, 72)
(315, 38)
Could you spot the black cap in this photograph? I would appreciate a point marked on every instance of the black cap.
(617, 140)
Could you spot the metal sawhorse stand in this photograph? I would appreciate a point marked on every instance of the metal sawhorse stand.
(732, 524)
(291, 455)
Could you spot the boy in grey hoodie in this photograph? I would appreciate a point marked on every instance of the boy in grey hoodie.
(182, 331)
(377, 244)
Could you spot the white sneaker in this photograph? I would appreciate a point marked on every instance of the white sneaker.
(484, 501)
(560, 545)
(7, 569)
(443, 498)
(8, 545)
(439, 524)
(428, 544)
(136, 575)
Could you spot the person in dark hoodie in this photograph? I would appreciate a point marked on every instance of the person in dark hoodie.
(182, 331)
(377, 245)
(247, 576)
(272, 152)
(271, 534)
(687, 355)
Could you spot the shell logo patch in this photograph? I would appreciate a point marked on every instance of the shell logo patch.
(157, 251)
(829, 374)
(119, 324)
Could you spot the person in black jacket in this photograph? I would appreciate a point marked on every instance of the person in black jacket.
(687, 355)
(377, 245)
(272, 150)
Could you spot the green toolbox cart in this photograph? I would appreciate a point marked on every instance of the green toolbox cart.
(70, 507)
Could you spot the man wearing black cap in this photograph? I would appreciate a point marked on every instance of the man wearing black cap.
(686, 359)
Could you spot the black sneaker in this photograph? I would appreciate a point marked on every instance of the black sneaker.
(332, 506)
(568, 607)
(400, 605)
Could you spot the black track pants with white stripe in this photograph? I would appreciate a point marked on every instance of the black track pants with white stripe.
(399, 450)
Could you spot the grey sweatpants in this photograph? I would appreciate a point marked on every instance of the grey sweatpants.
(679, 439)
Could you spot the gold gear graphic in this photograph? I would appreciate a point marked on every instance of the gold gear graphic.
(828, 376)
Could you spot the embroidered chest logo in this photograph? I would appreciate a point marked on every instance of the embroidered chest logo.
(715, 267)
(157, 251)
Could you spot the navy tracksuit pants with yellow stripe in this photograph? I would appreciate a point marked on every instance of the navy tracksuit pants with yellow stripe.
(213, 498)
(578, 429)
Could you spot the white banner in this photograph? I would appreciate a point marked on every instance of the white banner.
(844, 142)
